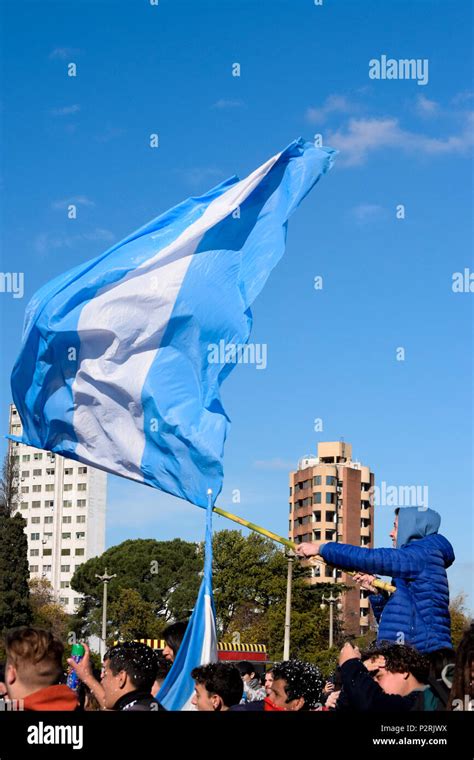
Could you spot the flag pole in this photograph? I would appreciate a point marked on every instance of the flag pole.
(383, 585)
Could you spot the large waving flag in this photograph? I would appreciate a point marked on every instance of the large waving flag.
(115, 367)
(199, 646)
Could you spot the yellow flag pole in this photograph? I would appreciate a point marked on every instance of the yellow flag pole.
(289, 544)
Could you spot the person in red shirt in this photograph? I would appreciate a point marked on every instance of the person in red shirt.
(33, 671)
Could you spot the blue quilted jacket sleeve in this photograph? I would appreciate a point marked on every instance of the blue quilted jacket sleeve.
(399, 563)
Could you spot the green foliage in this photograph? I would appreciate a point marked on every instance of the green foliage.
(46, 611)
(15, 609)
(459, 620)
(132, 618)
(164, 574)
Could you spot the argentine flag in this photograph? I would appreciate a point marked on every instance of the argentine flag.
(115, 368)
(199, 645)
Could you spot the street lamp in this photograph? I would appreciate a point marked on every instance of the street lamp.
(331, 600)
(105, 580)
(286, 642)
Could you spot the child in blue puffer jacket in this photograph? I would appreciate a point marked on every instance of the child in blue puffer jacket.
(417, 613)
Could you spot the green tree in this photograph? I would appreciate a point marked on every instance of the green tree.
(47, 612)
(459, 620)
(164, 574)
(133, 618)
(15, 606)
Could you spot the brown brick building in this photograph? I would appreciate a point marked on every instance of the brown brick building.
(331, 500)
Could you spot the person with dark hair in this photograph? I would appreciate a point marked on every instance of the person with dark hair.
(163, 667)
(389, 678)
(461, 696)
(268, 680)
(253, 690)
(218, 686)
(128, 674)
(296, 686)
(417, 613)
(33, 671)
(173, 636)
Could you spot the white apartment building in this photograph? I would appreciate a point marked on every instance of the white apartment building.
(64, 504)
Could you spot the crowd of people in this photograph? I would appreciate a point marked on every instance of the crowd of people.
(410, 667)
(386, 677)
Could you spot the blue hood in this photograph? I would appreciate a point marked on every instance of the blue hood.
(414, 523)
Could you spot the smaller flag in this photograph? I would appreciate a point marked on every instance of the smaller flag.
(199, 646)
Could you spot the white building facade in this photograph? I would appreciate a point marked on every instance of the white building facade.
(64, 504)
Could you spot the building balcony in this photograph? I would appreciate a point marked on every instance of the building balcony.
(365, 532)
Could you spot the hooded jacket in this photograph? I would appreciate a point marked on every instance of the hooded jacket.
(58, 697)
(417, 613)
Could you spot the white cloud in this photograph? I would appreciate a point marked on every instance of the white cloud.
(426, 107)
(77, 200)
(363, 136)
(274, 464)
(226, 104)
(46, 241)
(61, 53)
(110, 134)
(332, 104)
(366, 212)
(66, 110)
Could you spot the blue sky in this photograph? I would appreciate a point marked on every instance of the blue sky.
(167, 69)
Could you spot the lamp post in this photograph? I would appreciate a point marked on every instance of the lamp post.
(105, 580)
(331, 600)
(286, 643)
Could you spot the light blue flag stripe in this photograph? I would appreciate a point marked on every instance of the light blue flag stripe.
(115, 368)
(199, 646)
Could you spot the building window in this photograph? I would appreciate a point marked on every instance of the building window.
(48, 520)
(65, 584)
(47, 552)
(36, 489)
(328, 572)
(67, 519)
(25, 458)
(316, 535)
(50, 471)
(317, 480)
(65, 535)
(25, 489)
(81, 502)
(330, 480)
(63, 599)
(65, 568)
(329, 535)
(291, 490)
(81, 518)
(65, 552)
(36, 504)
(330, 497)
(36, 473)
(49, 504)
(24, 505)
(82, 486)
(25, 473)
(46, 568)
(67, 504)
(77, 599)
(34, 536)
(82, 470)
(317, 497)
(34, 568)
(35, 520)
(317, 516)
(79, 552)
(34, 552)
(68, 486)
(68, 470)
(330, 516)
(37, 456)
(49, 487)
